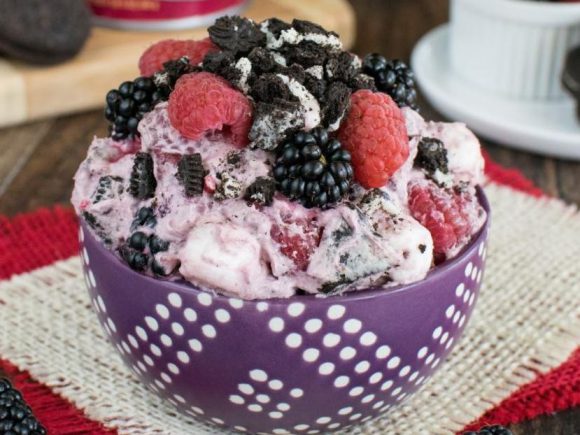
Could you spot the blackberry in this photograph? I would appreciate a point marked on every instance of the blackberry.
(432, 156)
(313, 169)
(136, 260)
(157, 269)
(491, 430)
(393, 77)
(261, 191)
(138, 241)
(144, 217)
(142, 184)
(16, 417)
(190, 173)
(127, 105)
(157, 245)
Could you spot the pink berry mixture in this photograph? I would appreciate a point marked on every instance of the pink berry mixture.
(265, 161)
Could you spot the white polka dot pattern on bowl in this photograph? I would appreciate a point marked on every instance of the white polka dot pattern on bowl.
(366, 372)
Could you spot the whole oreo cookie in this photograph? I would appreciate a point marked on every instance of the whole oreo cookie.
(41, 31)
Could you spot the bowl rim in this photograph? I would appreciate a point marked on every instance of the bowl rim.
(371, 292)
(559, 14)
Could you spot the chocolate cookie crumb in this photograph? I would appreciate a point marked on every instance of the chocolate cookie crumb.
(276, 26)
(191, 174)
(142, 184)
(362, 81)
(336, 103)
(269, 87)
(236, 34)
(432, 156)
(306, 53)
(274, 122)
(262, 60)
(261, 191)
(342, 66)
(316, 87)
(228, 188)
(304, 26)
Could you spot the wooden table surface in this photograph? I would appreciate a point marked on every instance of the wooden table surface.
(38, 160)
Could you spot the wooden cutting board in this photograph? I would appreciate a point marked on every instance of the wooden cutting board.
(110, 57)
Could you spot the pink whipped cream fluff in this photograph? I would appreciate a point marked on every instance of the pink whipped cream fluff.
(235, 210)
(217, 241)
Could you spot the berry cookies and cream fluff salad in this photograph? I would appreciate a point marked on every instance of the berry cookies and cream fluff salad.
(265, 161)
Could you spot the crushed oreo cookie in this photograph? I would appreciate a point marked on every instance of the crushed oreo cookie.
(273, 122)
(306, 53)
(362, 81)
(342, 66)
(262, 60)
(261, 191)
(109, 187)
(335, 286)
(432, 156)
(236, 34)
(270, 87)
(276, 26)
(191, 174)
(336, 104)
(222, 63)
(143, 183)
(228, 188)
(316, 86)
(304, 26)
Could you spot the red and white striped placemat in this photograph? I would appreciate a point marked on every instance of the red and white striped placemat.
(520, 357)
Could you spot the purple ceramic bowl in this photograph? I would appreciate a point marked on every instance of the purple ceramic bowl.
(299, 365)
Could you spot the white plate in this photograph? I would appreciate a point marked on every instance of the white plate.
(546, 128)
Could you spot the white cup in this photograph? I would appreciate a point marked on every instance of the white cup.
(513, 48)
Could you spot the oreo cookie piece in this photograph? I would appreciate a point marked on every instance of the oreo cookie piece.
(190, 173)
(261, 191)
(275, 26)
(293, 71)
(362, 81)
(306, 54)
(432, 156)
(142, 184)
(236, 34)
(336, 104)
(317, 87)
(342, 66)
(222, 63)
(273, 122)
(269, 87)
(262, 60)
(109, 187)
(43, 32)
(305, 27)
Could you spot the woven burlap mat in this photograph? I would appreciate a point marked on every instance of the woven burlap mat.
(527, 321)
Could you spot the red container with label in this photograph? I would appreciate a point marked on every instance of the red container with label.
(161, 14)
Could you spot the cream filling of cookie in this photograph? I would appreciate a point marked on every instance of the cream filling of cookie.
(310, 106)
(245, 67)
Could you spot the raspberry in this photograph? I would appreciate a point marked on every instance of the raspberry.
(203, 102)
(154, 57)
(447, 214)
(375, 134)
(297, 245)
